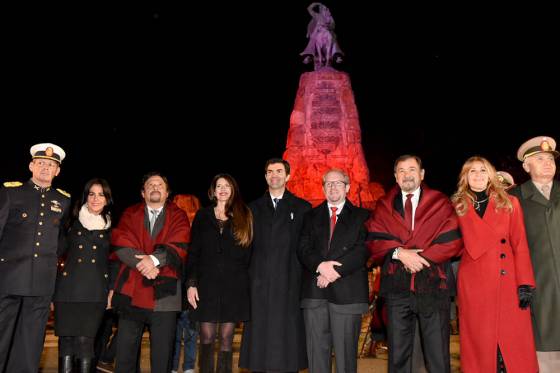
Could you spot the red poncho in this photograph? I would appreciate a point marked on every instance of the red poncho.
(435, 232)
(132, 233)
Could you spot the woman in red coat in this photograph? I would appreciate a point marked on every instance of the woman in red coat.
(495, 277)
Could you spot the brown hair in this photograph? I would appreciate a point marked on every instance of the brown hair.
(404, 157)
(240, 215)
(495, 190)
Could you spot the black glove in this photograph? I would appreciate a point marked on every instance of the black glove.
(525, 294)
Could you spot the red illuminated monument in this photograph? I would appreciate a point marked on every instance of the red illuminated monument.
(325, 133)
(324, 126)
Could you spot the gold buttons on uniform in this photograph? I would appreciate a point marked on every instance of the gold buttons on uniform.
(106, 275)
(42, 196)
(39, 233)
(93, 260)
(42, 205)
(40, 223)
(79, 260)
(36, 255)
(81, 246)
(64, 273)
(24, 215)
(37, 244)
(42, 213)
(79, 233)
(94, 247)
(101, 235)
(2, 259)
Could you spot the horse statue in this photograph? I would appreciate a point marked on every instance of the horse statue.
(322, 47)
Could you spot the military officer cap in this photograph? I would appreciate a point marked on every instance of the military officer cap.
(539, 144)
(505, 178)
(47, 151)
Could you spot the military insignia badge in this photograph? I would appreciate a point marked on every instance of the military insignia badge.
(55, 206)
(49, 152)
(545, 146)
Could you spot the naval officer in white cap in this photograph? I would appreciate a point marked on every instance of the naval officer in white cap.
(31, 217)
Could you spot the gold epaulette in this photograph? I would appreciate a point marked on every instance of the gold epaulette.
(63, 192)
(12, 184)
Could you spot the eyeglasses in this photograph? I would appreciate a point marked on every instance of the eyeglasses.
(334, 184)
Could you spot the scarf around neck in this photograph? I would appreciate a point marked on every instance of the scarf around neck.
(91, 221)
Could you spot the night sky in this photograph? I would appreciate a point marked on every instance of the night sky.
(87, 77)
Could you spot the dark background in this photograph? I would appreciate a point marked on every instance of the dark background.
(193, 89)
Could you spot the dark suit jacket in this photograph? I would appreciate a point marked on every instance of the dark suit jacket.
(347, 247)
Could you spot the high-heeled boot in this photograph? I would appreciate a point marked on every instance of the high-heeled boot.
(224, 362)
(206, 358)
(85, 365)
(65, 364)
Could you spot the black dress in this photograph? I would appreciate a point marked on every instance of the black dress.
(82, 283)
(219, 268)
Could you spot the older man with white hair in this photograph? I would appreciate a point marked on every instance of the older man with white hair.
(540, 199)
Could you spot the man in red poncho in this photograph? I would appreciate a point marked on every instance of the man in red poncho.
(414, 233)
(150, 243)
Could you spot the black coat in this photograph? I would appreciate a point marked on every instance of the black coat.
(347, 247)
(30, 222)
(85, 274)
(219, 268)
(274, 339)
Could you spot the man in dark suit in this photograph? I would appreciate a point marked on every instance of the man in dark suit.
(414, 233)
(150, 242)
(274, 338)
(31, 215)
(334, 299)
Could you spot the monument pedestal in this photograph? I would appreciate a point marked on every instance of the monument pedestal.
(325, 133)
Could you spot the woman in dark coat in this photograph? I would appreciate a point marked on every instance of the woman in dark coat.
(218, 274)
(81, 294)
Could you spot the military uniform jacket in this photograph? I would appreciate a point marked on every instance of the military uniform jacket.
(30, 221)
(85, 274)
(542, 223)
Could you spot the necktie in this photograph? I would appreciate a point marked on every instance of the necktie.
(546, 191)
(153, 218)
(275, 200)
(333, 220)
(408, 211)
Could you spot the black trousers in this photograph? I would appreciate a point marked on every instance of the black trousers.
(162, 338)
(434, 336)
(22, 332)
(105, 341)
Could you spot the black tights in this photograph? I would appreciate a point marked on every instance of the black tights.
(208, 334)
(79, 347)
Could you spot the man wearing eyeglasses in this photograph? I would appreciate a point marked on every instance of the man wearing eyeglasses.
(413, 234)
(335, 285)
(31, 215)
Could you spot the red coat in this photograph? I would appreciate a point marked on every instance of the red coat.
(494, 263)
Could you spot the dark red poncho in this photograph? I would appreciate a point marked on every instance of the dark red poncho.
(132, 233)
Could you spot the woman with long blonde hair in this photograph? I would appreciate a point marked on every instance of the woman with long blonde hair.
(495, 280)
